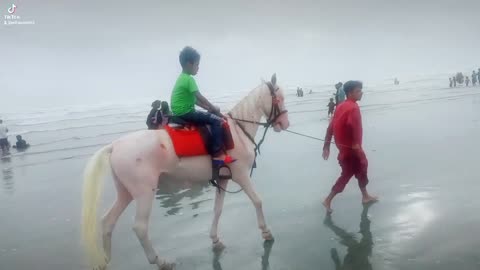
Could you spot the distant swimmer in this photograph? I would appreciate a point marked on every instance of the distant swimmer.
(4, 144)
(21, 143)
(346, 128)
(451, 82)
(331, 107)
(474, 78)
(467, 81)
(454, 82)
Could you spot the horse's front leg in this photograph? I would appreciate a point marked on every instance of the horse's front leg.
(219, 198)
(245, 182)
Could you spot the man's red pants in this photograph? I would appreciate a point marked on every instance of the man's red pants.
(351, 166)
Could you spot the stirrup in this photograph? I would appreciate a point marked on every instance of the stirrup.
(216, 173)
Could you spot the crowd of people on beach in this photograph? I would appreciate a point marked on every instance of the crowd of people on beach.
(459, 78)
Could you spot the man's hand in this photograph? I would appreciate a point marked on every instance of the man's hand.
(326, 153)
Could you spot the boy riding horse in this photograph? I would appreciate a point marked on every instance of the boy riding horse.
(185, 96)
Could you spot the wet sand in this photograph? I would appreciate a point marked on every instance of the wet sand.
(422, 145)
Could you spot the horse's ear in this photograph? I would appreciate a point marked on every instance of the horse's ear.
(274, 79)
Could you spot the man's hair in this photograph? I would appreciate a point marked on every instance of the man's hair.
(188, 55)
(350, 85)
(164, 107)
(156, 103)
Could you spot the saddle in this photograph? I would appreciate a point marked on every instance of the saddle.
(194, 140)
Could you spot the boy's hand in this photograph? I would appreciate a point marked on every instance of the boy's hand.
(215, 109)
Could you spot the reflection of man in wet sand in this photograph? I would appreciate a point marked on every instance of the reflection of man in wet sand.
(357, 251)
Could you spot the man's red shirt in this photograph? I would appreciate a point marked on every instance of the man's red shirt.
(346, 128)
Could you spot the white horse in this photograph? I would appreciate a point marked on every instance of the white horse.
(140, 160)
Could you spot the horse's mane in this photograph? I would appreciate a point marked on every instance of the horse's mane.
(249, 104)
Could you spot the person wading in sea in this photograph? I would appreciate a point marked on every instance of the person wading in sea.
(346, 127)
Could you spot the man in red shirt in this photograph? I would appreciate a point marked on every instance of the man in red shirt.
(346, 127)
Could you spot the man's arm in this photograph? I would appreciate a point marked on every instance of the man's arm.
(328, 141)
(355, 123)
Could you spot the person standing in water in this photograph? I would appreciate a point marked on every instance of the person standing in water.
(478, 76)
(474, 78)
(454, 82)
(451, 82)
(331, 107)
(340, 94)
(163, 114)
(467, 81)
(153, 112)
(346, 127)
(4, 144)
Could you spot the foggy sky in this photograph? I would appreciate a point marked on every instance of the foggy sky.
(92, 51)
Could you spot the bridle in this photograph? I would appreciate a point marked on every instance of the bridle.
(275, 113)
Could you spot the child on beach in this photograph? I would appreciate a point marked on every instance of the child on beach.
(185, 96)
(331, 107)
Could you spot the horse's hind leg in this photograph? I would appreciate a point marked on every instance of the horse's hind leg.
(144, 207)
(110, 219)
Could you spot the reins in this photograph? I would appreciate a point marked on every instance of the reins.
(275, 113)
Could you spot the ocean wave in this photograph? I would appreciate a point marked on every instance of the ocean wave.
(79, 138)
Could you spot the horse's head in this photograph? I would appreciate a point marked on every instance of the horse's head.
(272, 103)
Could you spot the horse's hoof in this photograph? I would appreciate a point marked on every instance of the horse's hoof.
(166, 266)
(218, 246)
(100, 267)
(267, 235)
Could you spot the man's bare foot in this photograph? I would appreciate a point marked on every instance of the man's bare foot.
(327, 206)
(369, 199)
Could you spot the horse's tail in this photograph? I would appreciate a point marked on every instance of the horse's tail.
(92, 189)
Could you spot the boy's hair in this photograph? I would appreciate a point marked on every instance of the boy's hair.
(188, 55)
(19, 137)
(350, 85)
(331, 99)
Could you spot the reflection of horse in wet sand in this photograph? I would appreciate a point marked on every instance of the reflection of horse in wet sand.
(138, 160)
(267, 249)
(171, 192)
(358, 252)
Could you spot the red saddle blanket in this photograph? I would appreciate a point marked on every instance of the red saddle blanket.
(193, 140)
